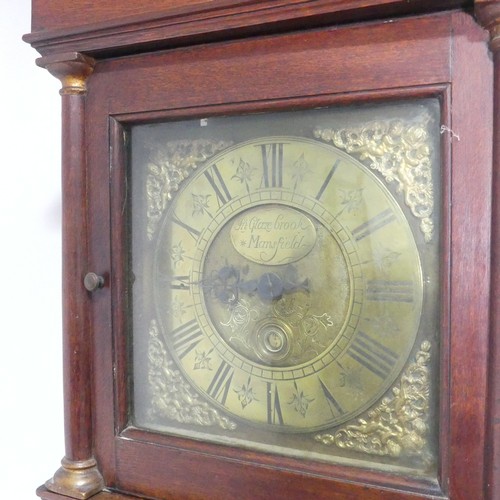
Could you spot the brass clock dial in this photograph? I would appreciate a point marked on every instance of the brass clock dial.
(288, 284)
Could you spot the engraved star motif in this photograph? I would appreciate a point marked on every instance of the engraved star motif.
(350, 199)
(177, 253)
(245, 394)
(299, 170)
(177, 309)
(202, 360)
(200, 204)
(300, 401)
(244, 173)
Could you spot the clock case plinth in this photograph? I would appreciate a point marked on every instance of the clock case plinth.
(93, 429)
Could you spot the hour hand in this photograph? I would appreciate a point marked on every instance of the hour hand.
(271, 286)
(226, 284)
(292, 282)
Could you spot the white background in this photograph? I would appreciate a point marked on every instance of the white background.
(31, 399)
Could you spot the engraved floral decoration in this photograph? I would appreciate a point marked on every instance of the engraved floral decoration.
(169, 164)
(202, 360)
(172, 396)
(300, 170)
(244, 174)
(401, 152)
(201, 204)
(300, 401)
(397, 426)
(240, 316)
(350, 200)
(177, 309)
(245, 393)
(177, 253)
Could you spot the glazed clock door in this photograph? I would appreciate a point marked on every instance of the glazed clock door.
(278, 284)
(277, 220)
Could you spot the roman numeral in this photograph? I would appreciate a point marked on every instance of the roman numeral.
(186, 337)
(274, 413)
(218, 185)
(179, 282)
(220, 384)
(368, 227)
(193, 232)
(334, 405)
(374, 356)
(327, 180)
(272, 164)
(389, 291)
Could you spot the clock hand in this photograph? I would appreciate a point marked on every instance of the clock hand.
(270, 286)
(226, 284)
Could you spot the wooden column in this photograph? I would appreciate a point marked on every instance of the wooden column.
(488, 13)
(78, 476)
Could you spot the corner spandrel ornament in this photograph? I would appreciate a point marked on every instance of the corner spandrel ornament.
(398, 150)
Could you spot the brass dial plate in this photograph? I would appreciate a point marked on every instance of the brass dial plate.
(272, 343)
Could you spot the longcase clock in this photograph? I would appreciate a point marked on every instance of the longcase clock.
(281, 241)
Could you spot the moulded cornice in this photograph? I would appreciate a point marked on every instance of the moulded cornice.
(215, 20)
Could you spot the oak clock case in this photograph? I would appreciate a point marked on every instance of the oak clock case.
(284, 277)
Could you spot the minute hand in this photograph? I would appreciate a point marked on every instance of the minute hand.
(270, 286)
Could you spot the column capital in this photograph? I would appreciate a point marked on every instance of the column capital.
(488, 14)
(72, 69)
